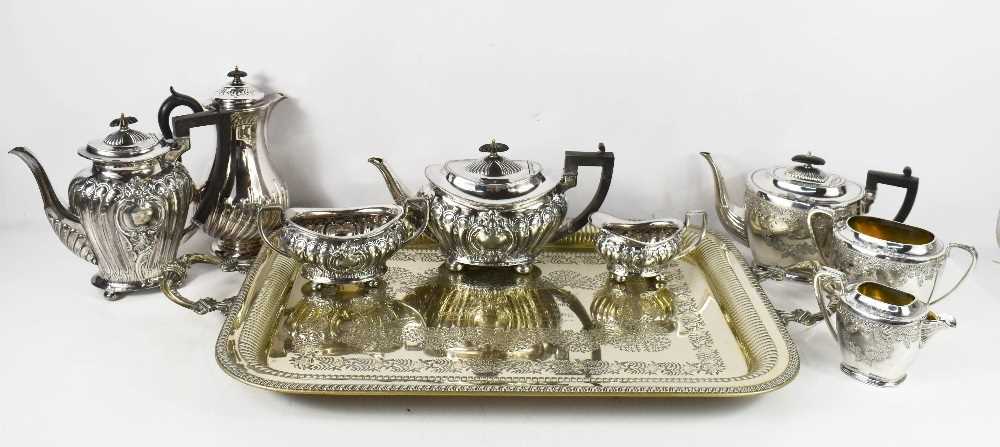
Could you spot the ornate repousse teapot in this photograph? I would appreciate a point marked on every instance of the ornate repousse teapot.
(494, 211)
(242, 178)
(777, 201)
(126, 212)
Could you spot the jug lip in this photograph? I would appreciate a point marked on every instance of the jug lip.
(878, 236)
(886, 303)
(293, 218)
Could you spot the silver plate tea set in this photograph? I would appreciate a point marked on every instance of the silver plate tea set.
(128, 214)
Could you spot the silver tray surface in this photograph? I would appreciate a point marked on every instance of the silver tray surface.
(564, 330)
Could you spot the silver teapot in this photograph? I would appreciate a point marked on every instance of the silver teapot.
(880, 329)
(493, 211)
(242, 179)
(777, 201)
(127, 212)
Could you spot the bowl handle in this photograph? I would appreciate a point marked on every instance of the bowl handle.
(973, 255)
(575, 159)
(175, 272)
(263, 233)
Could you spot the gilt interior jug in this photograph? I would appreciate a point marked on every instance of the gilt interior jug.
(127, 211)
(773, 219)
(880, 329)
(242, 179)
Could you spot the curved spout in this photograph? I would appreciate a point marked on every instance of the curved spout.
(934, 323)
(65, 224)
(732, 216)
(399, 193)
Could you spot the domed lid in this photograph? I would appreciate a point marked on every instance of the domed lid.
(886, 304)
(806, 182)
(237, 94)
(125, 143)
(494, 176)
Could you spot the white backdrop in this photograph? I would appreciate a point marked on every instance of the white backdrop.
(864, 84)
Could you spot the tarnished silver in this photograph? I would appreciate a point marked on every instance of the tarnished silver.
(126, 212)
(879, 328)
(772, 221)
(338, 246)
(901, 256)
(242, 178)
(643, 248)
(494, 211)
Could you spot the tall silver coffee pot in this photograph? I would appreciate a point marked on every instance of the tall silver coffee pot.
(242, 179)
(126, 212)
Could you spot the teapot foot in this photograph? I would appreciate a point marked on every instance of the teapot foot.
(455, 266)
(523, 269)
(870, 379)
(236, 255)
(114, 291)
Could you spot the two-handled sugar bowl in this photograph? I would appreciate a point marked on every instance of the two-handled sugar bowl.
(868, 248)
(880, 329)
(339, 246)
(644, 248)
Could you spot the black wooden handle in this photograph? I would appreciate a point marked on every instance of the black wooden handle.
(575, 159)
(905, 180)
(172, 102)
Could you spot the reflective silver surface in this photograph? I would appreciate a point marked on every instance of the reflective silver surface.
(904, 257)
(242, 178)
(338, 246)
(643, 248)
(562, 329)
(777, 200)
(880, 329)
(499, 212)
(127, 212)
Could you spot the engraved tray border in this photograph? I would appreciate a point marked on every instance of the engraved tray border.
(775, 365)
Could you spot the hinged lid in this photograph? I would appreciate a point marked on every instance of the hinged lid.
(124, 144)
(886, 304)
(806, 182)
(237, 94)
(494, 176)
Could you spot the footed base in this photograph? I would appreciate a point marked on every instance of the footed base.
(114, 291)
(871, 379)
(236, 255)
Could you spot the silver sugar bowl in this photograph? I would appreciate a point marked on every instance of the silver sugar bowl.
(880, 329)
(867, 248)
(127, 211)
(494, 211)
(644, 248)
(341, 246)
(242, 178)
(777, 199)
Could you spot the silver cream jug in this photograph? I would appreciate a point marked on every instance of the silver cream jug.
(880, 329)
(127, 211)
(242, 179)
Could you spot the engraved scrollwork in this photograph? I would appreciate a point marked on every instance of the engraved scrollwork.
(871, 341)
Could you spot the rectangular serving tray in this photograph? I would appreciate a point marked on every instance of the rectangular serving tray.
(707, 330)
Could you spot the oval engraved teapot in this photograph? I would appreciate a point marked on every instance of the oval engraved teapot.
(241, 179)
(494, 211)
(126, 212)
(777, 200)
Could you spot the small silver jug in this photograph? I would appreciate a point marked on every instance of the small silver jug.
(867, 248)
(241, 179)
(127, 211)
(879, 328)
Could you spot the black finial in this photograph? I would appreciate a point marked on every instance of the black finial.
(600, 147)
(493, 147)
(809, 159)
(123, 121)
(237, 74)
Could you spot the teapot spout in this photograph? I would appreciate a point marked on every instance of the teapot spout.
(934, 323)
(730, 215)
(65, 224)
(399, 192)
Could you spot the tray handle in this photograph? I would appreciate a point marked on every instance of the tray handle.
(173, 275)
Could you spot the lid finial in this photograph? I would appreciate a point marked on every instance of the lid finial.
(493, 148)
(123, 122)
(237, 75)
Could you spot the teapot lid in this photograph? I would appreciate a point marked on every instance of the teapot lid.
(881, 302)
(236, 93)
(494, 176)
(125, 143)
(806, 181)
